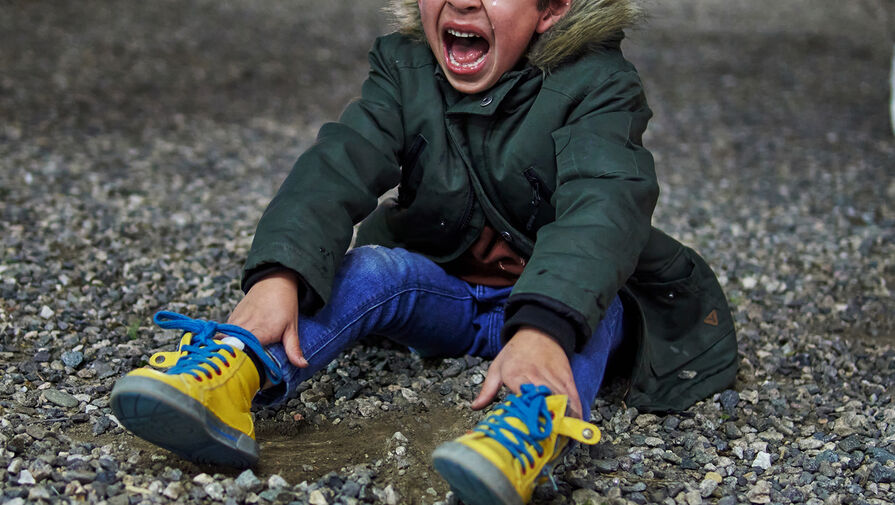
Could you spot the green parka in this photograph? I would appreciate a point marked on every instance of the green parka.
(551, 157)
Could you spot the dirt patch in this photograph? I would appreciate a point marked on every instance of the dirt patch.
(304, 451)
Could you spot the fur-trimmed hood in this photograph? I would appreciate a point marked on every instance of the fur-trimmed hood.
(587, 24)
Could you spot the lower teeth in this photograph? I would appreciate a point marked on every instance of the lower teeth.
(466, 65)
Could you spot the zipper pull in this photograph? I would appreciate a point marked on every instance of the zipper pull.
(535, 199)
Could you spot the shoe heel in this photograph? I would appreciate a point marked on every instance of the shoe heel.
(162, 415)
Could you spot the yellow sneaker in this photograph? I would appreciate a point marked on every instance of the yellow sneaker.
(516, 446)
(200, 406)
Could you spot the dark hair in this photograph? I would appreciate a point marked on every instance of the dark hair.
(542, 4)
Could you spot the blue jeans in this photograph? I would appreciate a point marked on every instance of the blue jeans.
(412, 301)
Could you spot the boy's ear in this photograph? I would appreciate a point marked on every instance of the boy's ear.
(549, 16)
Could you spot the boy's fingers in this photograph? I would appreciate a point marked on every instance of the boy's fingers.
(489, 389)
(293, 349)
(575, 404)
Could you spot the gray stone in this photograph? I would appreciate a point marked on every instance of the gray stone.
(36, 431)
(25, 478)
(214, 490)
(348, 391)
(586, 497)
(316, 498)
(760, 492)
(882, 475)
(248, 481)
(880, 455)
(810, 443)
(454, 369)
(269, 494)
(762, 460)
(100, 425)
(693, 497)
(732, 431)
(852, 443)
(828, 456)
(275, 481)
(61, 398)
(351, 489)
(729, 400)
(38, 493)
(606, 465)
(793, 494)
(849, 423)
(121, 499)
(671, 423)
(72, 358)
(707, 487)
(173, 490)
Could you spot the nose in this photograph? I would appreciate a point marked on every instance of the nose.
(465, 5)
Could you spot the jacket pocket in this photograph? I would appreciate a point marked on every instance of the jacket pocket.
(541, 194)
(685, 316)
(410, 174)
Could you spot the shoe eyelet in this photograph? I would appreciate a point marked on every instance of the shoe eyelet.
(218, 371)
(232, 354)
(208, 375)
(226, 363)
(198, 379)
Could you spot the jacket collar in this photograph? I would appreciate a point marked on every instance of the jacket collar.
(509, 92)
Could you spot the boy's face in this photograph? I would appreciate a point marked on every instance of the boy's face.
(477, 41)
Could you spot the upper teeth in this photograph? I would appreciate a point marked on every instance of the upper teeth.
(455, 33)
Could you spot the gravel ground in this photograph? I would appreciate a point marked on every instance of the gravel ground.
(140, 141)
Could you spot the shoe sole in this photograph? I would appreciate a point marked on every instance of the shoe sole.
(474, 479)
(168, 418)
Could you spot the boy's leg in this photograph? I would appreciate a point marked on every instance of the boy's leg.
(589, 366)
(398, 294)
(200, 406)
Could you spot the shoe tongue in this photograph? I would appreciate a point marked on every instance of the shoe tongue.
(234, 342)
(517, 423)
(557, 403)
(185, 340)
(468, 50)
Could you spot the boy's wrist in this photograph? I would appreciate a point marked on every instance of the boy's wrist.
(535, 316)
(308, 299)
(257, 275)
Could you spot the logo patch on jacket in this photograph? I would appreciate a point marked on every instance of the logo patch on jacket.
(712, 318)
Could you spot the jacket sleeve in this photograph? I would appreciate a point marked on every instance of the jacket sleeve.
(605, 194)
(307, 227)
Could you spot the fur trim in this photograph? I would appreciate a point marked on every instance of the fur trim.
(587, 24)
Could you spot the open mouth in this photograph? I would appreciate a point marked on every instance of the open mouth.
(465, 52)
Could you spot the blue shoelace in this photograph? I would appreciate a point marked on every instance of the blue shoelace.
(202, 348)
(530, 407)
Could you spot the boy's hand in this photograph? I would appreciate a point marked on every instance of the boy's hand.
(270, 311)
(531, 356)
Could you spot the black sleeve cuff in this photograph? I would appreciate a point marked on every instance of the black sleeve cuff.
(309, 302)
(568, 333)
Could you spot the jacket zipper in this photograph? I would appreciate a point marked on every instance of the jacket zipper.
(408, 167)
(539, 192)
(470, 198)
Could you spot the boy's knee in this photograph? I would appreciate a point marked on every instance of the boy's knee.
(376, 265)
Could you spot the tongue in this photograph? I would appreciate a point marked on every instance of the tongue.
(468, 50)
